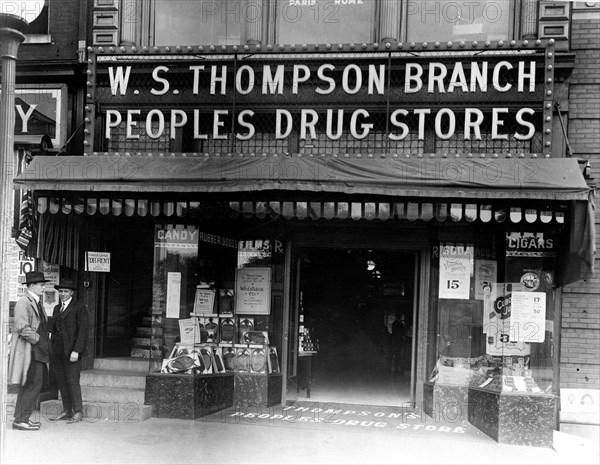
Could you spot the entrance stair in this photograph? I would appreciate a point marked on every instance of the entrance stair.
(112, 391)
(145, 339)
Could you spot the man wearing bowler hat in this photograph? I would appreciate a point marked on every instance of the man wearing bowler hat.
(30, 350)
(69, 328)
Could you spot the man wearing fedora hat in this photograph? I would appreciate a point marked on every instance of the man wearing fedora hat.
(30, 350)
(69, 328)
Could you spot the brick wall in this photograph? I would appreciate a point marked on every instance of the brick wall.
(580, 327)
(64, 31)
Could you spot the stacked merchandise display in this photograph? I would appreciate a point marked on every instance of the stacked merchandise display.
(307, 342)
(216, 340)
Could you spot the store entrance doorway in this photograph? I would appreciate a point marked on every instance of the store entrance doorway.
(358, 307)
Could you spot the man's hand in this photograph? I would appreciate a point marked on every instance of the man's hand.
(29, 335)
(74, 356)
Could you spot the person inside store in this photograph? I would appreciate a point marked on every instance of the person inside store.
(399, 343)
(30, 350)
(388, 320)
(69, 328)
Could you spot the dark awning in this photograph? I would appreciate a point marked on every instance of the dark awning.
(481, 178)
(464, 179)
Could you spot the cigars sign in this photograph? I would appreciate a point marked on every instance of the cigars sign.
(398, 96)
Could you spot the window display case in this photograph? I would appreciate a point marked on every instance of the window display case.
(494, 318)
(212, 314)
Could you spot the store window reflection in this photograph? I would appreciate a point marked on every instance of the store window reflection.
(444, 20)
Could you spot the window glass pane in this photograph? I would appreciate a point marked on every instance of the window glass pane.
(445, 20)
(322, 21)
(492, 335)
(200, 22)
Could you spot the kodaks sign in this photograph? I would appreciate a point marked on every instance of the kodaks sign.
(455, 95)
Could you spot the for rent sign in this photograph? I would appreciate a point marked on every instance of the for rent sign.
(97, 261)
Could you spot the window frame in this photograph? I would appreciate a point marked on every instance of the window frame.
(514, 11)
(270, 23)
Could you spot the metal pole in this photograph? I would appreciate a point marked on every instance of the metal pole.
(11, 36)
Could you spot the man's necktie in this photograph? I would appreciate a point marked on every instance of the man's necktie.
(41, 311)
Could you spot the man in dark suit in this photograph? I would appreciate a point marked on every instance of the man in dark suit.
(30, 350)
(69, 328)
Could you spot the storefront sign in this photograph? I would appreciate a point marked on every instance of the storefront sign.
(529, 244)
(97, 261)
(178, 237)
(456, 266)
(215, 239)
(257, 252)
(529, 315)
(447, 418)
(196, 97)
(253, 291)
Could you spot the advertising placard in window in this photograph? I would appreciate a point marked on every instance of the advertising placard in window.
(253, 291)
(529, 315)
(455, 271)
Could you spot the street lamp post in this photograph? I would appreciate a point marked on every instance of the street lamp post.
(14, 19)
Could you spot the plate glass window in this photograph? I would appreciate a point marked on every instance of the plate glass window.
(451, 20)
(324, 21)
(204, 22)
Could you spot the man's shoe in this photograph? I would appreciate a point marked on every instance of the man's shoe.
(77, 417)
(25, 426)
(34, 423)
(61, 416)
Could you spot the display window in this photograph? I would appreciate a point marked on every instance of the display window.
(493, 314)
(212, 303)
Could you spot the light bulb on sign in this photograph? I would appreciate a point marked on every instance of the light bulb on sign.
(28, 10)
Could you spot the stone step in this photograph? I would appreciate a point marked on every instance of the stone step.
(101, 411)
(137, 364)
(144, 352)
(141, 341)
(113, 378)
(147, 321)
(142, 331)
(95, 394)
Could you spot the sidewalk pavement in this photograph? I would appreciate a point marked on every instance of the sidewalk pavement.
(159, 440)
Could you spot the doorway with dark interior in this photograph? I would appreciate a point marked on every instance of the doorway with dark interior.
(359, 305)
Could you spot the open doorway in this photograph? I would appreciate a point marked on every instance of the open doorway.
(359, 305)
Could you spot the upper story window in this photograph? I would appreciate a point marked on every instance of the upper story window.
(206, 22)
(444, 20)
(234, 22)
(323, 21)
